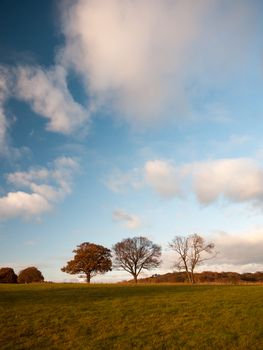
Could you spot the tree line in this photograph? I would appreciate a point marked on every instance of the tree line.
(207, 277)
(136, 254)
(29, 275)
(132, 255)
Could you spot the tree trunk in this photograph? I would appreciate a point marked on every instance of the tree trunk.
(193, 277)
(135, 278)
(187, 273)
(88, 277)
(188, 276)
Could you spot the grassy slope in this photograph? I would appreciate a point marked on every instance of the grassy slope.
(61, 316)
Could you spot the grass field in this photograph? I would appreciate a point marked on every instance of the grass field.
(67, 316)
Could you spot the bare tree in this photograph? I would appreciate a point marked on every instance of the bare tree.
(191, 251)
(135, 254)
(90, 259)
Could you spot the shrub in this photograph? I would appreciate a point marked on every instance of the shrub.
(29, 275)
(7, 275)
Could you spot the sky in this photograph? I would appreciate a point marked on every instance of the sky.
(123, 118)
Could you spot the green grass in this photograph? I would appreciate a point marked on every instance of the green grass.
(67, 316)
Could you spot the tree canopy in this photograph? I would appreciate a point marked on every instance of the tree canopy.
(135, 254)
(7, 275)
(90, 259)
(29, 275)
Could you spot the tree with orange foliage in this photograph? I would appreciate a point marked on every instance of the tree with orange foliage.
(90, 259)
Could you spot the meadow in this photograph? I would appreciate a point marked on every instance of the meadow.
(78, 316)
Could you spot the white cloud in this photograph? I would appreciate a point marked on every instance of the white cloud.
(163, 177)
(129, 51)
(47, 93)
(22, 204)
(45, 187)
(143, 55)
(130, 221)
(146, 59)
(234, 180)
(237, 180)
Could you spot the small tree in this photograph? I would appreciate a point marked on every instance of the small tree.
(135, 254)
(191, 252)
(29, 275)
(90, 259)
(7, 275)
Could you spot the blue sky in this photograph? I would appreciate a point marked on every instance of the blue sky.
(123, 118)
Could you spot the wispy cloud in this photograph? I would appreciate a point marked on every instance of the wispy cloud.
(7, 150)
(120, 181)
(129, 221)
(31, 242)
(47, 93)
(3, 119)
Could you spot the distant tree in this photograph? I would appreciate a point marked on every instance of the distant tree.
(7, 275)
(135, 254)
(29, 275)
(259, 276)
(191, 251)
(90, 259)
(209, 276)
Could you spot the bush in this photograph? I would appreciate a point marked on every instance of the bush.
(29, 275)
(7, 275)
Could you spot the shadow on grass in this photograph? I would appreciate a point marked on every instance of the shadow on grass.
(75, 294)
